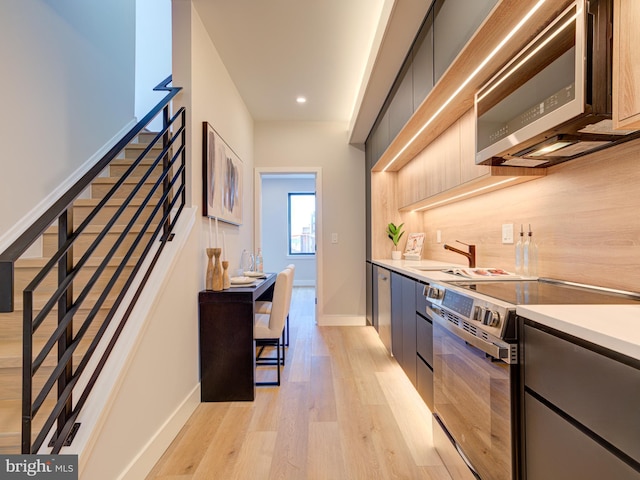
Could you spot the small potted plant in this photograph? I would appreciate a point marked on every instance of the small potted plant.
(395, 234)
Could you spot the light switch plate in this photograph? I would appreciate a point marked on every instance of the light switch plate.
(334, 238)
(507, 233)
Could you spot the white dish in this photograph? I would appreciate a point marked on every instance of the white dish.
(254, 274)
(241, 280)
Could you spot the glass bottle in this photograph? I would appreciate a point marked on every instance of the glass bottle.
(246, 262)
(519, 250)
(530, 255)
(259, 265)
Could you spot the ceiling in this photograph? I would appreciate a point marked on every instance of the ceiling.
(342, 55)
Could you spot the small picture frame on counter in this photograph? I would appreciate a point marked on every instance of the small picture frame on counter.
(413, 249)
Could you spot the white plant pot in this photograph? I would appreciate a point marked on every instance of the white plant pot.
(396, 255)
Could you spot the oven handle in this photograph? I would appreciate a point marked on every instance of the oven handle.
(496, 351)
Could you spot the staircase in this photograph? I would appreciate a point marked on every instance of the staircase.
(26, 268)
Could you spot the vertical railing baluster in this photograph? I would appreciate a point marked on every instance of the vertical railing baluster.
(183, 156)
(65, 266)
(27, 378)
(165, 165)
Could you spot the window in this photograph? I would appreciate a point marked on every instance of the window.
(302, 223)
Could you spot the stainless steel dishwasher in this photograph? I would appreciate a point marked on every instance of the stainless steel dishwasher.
(384, 306)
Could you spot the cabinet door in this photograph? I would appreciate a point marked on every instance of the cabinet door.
(396, 316)
(626, 64)
(468, 168)
(401, 106)
(380, 137)
(580, 382)
(409, 328)
(423, 62)
(455, 21)
(555, 449)
(370, 295)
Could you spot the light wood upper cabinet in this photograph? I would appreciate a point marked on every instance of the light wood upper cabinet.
(626, 64)
(468, 168)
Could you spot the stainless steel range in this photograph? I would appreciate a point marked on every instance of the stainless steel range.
(476, 374)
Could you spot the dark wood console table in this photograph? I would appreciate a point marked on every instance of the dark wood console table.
(227, 346)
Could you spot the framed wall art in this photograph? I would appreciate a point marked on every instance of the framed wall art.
(222, 182)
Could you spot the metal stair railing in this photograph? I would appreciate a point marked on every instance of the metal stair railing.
(153, 205)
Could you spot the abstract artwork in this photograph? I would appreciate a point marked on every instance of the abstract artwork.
(222, 182)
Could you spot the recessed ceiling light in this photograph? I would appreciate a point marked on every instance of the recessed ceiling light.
(301, 99)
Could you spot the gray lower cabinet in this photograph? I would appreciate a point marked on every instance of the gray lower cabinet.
(403, 323)
(581, 409)
(412, 334)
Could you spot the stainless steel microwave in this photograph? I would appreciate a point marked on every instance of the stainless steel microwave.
(552, 102)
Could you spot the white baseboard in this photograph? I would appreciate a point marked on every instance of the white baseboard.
(14, 232)
(157, 445)
(342, 321)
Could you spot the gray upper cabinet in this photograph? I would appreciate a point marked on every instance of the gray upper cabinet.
(446, 30)
(401, 106)
(380, 137)
(455, 21)
(423, 62)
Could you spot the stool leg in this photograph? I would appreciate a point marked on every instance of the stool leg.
(287, 330)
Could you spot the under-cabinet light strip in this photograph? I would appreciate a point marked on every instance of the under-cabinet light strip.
(466, 194)
(468, 79)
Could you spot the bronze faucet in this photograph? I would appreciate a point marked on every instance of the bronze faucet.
(471, 255)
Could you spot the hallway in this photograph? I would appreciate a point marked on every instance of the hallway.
(345, 410)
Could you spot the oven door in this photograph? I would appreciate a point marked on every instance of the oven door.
(473, 392)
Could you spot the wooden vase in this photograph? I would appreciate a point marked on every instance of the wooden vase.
(209, 276)
(216, 284)
(226, 281)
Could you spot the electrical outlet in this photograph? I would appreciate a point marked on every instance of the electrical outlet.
(507, 233)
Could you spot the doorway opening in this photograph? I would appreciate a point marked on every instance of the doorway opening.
(288, 222)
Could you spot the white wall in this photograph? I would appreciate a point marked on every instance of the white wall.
(275, 191)
(325, 146)
(153, 54)
(211, 96)
(68, 89)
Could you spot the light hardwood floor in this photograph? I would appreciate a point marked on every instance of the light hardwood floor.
(345, 410)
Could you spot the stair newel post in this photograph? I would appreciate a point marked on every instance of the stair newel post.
(165, 165)
(65, 267)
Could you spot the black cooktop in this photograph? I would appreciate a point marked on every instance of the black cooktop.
(546, 292)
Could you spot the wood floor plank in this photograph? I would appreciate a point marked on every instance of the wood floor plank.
(292, 441)
(187, 450)
(358, 429)
(300, 367)
(326, 461)
(221, 456)
(254, 460)
(409, 412)
(322, 402)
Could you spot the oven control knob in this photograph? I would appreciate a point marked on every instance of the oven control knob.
(491, 318)
(435, 293)
(478, 313)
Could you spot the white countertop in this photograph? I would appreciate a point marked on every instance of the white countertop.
(416, 269)
(616, 327)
